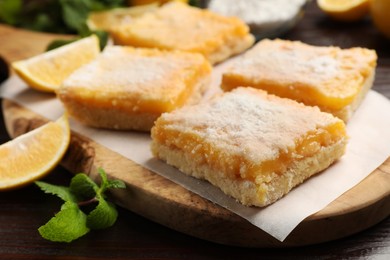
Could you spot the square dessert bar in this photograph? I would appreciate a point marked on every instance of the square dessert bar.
(177, 26)
(254, 146)
(336, 80)
(129, 88)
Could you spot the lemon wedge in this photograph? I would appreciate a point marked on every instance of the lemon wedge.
(46, 71)
(345, 10)
(32, 155)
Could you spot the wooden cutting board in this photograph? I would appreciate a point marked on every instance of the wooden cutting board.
(160, 200)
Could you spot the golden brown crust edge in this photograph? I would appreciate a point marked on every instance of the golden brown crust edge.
(346, 113)
(246, 192)
(232, 46)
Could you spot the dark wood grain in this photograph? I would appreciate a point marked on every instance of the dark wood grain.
(23, 211)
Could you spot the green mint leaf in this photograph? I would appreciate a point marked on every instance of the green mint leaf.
(60, 191)
(83, 187)
(107, 184)
(75, 13)
(103, 175)
(103, 216)
(103, 38)
(194, 3)
(43, 15)
(67, 225)
(116, 184)
(104, 181)
(59, 16)
(71, 222)
(10, 11)
(41, 22)
(99, 5)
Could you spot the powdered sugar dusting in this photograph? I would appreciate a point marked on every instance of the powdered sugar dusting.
(258, 11)
(249, 123)
(129, 70)
(291, 63)
(324, 65)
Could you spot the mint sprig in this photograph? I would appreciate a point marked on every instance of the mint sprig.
(71, 222)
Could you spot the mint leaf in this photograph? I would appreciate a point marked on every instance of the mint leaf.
(10, 11)
(83, 187)
(104, 182)
(103, 216)
(67, 225)
(75, 13)
(60, 191)
(58, 16)
(103, 38)
(116, 184)
(99, 5)
(108, 184)
(71, 222)
(196, 3)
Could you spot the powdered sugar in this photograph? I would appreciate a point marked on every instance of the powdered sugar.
(259, 14)
(248, 123)
(287, 61)
(129, 70)
(258, 11)
(323, 65)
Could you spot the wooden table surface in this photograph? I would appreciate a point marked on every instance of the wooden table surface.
(133, 237)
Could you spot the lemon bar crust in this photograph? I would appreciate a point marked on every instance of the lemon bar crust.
(246, 191)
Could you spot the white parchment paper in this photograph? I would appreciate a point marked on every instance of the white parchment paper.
(369, 147)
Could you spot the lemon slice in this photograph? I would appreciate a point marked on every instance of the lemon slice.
(345, 10)
(46, 71)
(32, 155)
(105, 20)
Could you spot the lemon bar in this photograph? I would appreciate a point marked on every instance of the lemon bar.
(129, 88)
(336, 80)
(252, 145)
(177, 26)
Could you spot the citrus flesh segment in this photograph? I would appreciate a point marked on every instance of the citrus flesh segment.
(345, 10)
(32, 155)
(46, 71)
(105, 20)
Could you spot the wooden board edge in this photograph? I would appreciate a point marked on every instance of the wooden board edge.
(196, 216)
